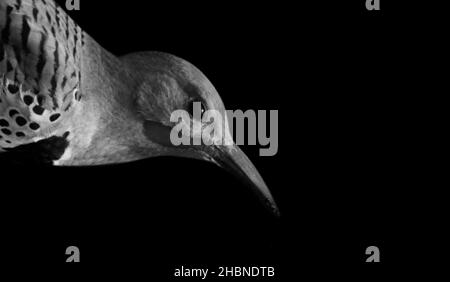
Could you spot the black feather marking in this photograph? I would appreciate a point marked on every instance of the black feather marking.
(49, 18)
(28, 100)
(4, 123)
(18, 4)
(78, 96)
(67, 27)
(43, 152)
(13, 89)
(68, 106)
(40, 100)
(34, 126)
(64, 82)
(21, 121)
(25, 34)
(13, 113)
(35, 14)
(41, 62)
(57, 16)
(54, 117)
(9, 66)
(6, 31)
(2, 52)
(54, 81)
(75, 45)
(38, 110)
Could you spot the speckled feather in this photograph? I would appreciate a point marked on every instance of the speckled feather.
(67, 101)
(40, 64)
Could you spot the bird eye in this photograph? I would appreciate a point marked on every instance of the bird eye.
(196, 108)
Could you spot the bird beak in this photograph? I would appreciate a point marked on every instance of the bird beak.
(233, 159)
(229, 157)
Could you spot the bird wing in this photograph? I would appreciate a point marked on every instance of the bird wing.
(40, 63)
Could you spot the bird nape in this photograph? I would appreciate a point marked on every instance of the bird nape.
(66, 98)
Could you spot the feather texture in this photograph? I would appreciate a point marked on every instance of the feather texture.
(40, 69)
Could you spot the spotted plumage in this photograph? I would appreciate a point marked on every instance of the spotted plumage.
(40, 63)
(67, 101)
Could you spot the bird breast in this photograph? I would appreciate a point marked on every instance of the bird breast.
(40, 70)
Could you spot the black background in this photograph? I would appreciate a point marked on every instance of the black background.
(340, 175)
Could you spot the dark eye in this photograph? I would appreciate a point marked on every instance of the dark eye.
(196, 108)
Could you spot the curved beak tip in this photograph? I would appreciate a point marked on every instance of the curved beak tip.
(238, 163)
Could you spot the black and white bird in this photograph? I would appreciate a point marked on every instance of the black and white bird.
(66, 100)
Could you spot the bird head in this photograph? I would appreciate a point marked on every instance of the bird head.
(165, 85)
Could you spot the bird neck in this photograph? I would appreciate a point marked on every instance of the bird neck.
(104, 126)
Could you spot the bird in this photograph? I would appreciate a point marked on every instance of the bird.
(67, 101)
